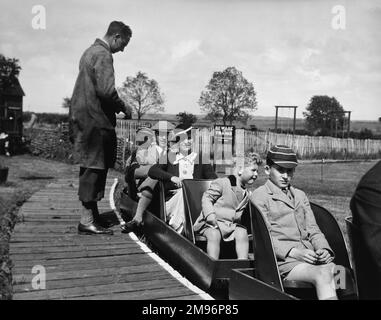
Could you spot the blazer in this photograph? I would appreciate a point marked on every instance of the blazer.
(291, 224)
(227, 202)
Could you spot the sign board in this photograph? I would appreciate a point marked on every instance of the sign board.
(224, 137)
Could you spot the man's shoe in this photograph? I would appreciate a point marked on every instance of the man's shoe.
(104, 223)
(93, 229)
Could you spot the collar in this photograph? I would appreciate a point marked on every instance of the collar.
(102, 43)
(277, 193)
(190, 157)
(273, 189)
(233, 180)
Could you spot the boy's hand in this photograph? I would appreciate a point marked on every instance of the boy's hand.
(304, 255)
(211, 220)
(324, 256)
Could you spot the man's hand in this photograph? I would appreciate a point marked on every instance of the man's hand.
(304, 255)
(324, 256)
(127, 112)
(177, 181)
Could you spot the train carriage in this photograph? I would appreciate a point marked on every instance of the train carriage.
(184, 251)
(252, 279)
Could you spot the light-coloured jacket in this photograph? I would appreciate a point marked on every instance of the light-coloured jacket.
(228, 203)
(291, 223)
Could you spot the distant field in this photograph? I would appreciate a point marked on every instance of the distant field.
(264, 123)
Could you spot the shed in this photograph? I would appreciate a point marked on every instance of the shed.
(11, 109)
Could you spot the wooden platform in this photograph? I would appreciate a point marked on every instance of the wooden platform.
(80, 266)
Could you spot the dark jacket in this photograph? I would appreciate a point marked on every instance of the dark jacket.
(93, 106)
(165, 171)
(366, 210)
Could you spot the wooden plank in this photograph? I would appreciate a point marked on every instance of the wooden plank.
(94, 281)
(79, 266)
(70, 248)
(60, 243)
(88, 264)
(185, 297)
(63, 212)
(47, 257)
(55, 218)
(73, 237)
(100, 272)
(149, 294)
(86, 291)
(73, 260)
(48, 223)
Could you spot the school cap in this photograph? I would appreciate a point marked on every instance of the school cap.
(282, 156)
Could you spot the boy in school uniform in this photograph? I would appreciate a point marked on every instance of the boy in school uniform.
(302, 250)
(223, 205)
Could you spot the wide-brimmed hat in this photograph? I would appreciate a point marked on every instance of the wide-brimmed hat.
(163, 125)
(283, 156)
(143, 132)
(180, 130)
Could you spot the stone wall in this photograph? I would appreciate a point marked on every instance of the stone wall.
(55, 144)
(50, 143)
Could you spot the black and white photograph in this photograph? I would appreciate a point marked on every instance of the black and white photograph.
(186, 156)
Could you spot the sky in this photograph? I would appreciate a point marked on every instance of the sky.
(290, 50)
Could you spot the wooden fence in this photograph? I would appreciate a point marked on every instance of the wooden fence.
(221, 151)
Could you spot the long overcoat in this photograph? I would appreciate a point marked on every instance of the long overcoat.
(93, 106)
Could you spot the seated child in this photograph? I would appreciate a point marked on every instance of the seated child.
(222, 207)
(302, 250)
(180, 164)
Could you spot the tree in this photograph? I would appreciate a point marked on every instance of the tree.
(324, 116)
(186, 118)
(228, 96)
(66, 103)
(142, 94)
(9, 71)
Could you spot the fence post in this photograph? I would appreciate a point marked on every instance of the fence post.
(240, 142)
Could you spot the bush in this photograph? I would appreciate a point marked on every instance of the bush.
(47, 118)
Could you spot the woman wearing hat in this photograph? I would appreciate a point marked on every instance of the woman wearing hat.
(179, 164)
(154, 146)
(302, 250)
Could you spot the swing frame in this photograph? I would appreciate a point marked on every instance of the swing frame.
(276, 117)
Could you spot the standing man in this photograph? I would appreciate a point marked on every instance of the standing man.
(92, 113)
